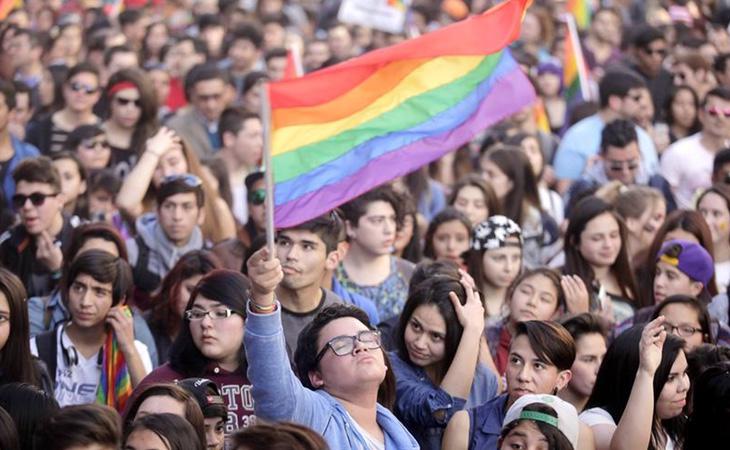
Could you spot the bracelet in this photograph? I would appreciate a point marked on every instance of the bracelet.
(261, 309)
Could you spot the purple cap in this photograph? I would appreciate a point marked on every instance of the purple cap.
(690, 258)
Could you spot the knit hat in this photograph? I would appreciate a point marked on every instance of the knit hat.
(494, 232)
(566, 422)
(691, 259)
(208, 396)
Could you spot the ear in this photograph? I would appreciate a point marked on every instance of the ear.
(332, 259)
(614, 102)
(350, 229)
(695, 288)
(316, 379)
(228, 139)
(564, 377)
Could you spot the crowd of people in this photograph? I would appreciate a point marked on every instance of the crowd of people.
(560, 282)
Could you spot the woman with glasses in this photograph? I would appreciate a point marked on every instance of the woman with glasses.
(714, 205)
(342, 388)
(436, 368)
(91, 147)
(209, 343)
(686, 317)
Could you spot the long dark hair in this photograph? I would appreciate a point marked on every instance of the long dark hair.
(708, 423)
(515, 165)
(575, 264)
(446, 215)
(16, 361)
(681, 219)
(490, 198)
(163, 315)
(30, 408)
(176, 432)
(615, 380)
(435, 292)
(222, 285)
(147, 124)
(696, 125)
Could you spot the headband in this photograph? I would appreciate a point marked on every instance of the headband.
(539, 417)
(122, 85)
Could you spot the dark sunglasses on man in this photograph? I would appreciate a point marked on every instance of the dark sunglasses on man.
(36, 198)
(257, 197)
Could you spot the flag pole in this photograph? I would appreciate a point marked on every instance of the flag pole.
(268, 169)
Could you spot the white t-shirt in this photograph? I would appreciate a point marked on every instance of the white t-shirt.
(240, 202)
(722, 276)
(599, 416)
(76, 384)
(687, 166)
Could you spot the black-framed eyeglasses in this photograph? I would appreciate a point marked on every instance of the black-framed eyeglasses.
(82, 87)
(684, 331)
(36, 198)
(257, 197)
(121, 101)
(189, 179)
(620, 166)
(345, 345)
(215, 314)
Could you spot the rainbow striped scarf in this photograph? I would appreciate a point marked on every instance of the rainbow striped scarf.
(115, 386)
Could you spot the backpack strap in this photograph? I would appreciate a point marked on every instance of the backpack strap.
(47, 345)
(144, 280)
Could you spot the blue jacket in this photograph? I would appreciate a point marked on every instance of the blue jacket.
(358, 300)
(485, 423)
(22, 150)
(418, 400)
(279, 395)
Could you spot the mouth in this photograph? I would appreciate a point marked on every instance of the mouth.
(521, 391)
(525, 313)
(417, 355)
(288, 270)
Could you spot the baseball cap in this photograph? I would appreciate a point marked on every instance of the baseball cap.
(690, 258)
(566, 422)
(207, 394)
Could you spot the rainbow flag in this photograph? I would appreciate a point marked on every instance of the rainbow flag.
(8, 5)
(341, 131)
(581, 11)
(575, 71)
(115, 384)
(541, 117)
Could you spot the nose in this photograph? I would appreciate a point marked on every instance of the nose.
(685, 383)
(524, 373)
(206, 321)
(531, 300)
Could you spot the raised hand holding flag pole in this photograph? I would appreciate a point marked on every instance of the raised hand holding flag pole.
(339, 132)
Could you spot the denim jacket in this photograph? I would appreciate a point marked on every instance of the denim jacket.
(418, 400)
(279, 395)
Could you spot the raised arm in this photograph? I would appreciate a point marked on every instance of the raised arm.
(634, 428)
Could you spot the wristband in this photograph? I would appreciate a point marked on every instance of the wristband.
(261, 309)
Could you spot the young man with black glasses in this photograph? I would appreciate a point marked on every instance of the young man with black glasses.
(33, 248)
(168, 233)
(619, 159)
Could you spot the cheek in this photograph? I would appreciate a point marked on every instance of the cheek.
(4, 334)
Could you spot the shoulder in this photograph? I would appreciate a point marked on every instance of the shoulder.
(404, 267)
(596, 416)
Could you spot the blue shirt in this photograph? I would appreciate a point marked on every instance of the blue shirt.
(485, 423)
(279, 395)
(418, 400)
(583, 141)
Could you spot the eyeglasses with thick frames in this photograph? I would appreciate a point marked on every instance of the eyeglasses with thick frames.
(81, 87)
(215, 314)
(36, 198)
(345, 345)
(684, 331)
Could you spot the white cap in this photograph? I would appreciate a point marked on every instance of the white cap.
(567, 421)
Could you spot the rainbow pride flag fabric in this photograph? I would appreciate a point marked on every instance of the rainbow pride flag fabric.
(581, 10)
(341, 131)
(115, 384)
(575, 73)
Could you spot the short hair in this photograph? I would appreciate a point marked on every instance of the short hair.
(619, 134)
(645, 35)
(278, 436)
(721, 92)
(38, 170)
(586, 323)
(130, 16)
(202, 72)
(276, 52)
(112, 51)
(232, 120)
(327, 226)
(252, 178)
(103, 267)
(80, 134)
(82, 67)
(550, 341)
(94, 230)
(244, 32)
(209, 21)
(618, 83)
(8, 92)
(83, 425)
(356, 208)
(174, 185)
(175, 431)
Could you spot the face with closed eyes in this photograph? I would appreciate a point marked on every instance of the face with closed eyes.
(173, 162)
(502, 265)
(535, 298)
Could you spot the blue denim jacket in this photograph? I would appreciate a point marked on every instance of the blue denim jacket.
(52, 305)
(418, 399)
(279, 395)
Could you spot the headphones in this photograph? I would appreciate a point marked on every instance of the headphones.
(71, 356)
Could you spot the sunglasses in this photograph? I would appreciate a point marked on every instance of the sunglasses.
(36, 198)
(716, 111)
(81, 87)
(619, 166)
(188, 179)
(121, 101)
(96, 145)
(257, 197)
